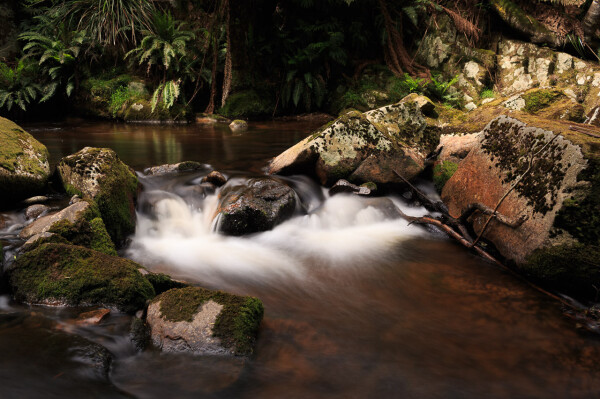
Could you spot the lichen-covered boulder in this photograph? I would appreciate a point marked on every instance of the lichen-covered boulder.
(364, 148)
(24, 167)
(78, 224)
(200, 321)
(258, 205)
(99, 175)
(73, 275)
(556, 181)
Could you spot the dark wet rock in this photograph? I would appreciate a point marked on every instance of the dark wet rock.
(35, 211)
(79, 224)
(364, 147)
(139, 333)
(162, 282)
(99, 175)
(187, 166)
(215, 177)
(24, 167)
(73, 275)
(344, 186)
(257, 206)
(200, 321)
(149, 201)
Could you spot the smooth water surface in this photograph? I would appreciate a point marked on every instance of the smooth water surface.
(357, 303)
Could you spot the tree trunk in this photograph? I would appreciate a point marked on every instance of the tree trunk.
(591, 20)
(210, 108)
(227, 72)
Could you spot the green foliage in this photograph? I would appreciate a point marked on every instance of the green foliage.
(18, 86)
(111, 23)
(168, 92)
(247, 103)
(119, 97)
(487, 93)
(401, 87)
(57, 56)
(440, 89)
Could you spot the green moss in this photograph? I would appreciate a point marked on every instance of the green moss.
(540, 99)
(569, 269)
(116, 200)
(442, 172)
(370, 185)
(237, 324)
(247, 103)
(14, 141)
(580, 216)
(79, 276)
(89, 231)
(189, 165)
(162, 282)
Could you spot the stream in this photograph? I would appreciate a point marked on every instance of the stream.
(358, 304)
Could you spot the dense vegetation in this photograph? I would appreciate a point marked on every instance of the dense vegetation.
(255, 58)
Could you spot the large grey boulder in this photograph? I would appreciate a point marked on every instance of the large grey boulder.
(364, 148)
(24, 167)
(99, 175)
(200, 321)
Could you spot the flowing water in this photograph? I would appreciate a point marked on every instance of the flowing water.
(357, 303)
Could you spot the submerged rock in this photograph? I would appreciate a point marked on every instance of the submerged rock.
(257, 206)
(24, 167)
(238, 125)
(92, 317)
(200, 321)
(364, 147)
(73, 275)
(99, 175)
(79, 224)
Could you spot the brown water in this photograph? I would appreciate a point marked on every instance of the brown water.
(356, 305)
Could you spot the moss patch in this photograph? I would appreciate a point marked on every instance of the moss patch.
(237, 324)
(540, 99)
(580, 215)
(442, 172)
(14, 142)
(162, 282)
(79, 276)
(570, 269)
(88, 232)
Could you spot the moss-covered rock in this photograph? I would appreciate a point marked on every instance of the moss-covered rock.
(78, 224)
(201, 321)
(572, 269)
(162, 282)
(24, 167)
(258, 205)
(140, 110)
(99, 175)
(186, 166)
(60, 273)
(364, 147)
(238, 125)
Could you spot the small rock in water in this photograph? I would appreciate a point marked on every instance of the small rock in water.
(238, 125)
(215, 177)
(36, 200)
(344, 186)
(74, 199)
(35, 211)
(186, 166)
(92, 317)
